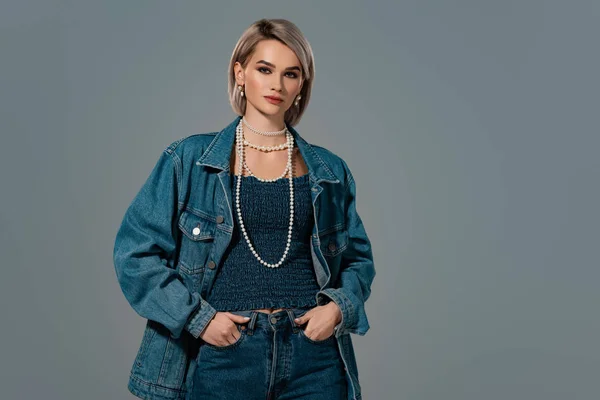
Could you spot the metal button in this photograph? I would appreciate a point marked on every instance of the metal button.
(315, 189)
(273, 320)
(220, 219)
(196, 231)
(331, 246)
(211, 264)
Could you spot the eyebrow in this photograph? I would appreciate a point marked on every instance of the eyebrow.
(295, 67)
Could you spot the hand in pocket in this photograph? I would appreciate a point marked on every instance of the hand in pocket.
(320, 321)
(222, 330)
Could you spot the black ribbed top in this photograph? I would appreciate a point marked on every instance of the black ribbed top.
(242, 282)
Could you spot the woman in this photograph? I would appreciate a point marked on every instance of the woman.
(244, 249)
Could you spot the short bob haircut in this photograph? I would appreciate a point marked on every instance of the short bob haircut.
(287, 33)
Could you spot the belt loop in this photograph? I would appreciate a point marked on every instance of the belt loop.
(252, 323)
(291, 315)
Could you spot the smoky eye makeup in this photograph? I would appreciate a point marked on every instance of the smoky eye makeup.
(261, 69)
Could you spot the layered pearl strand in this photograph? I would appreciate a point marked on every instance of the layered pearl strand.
(264, 133)
(240, 142)
(264, 179)
(266, 148)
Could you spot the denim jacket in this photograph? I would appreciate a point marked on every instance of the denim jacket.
(175, 232)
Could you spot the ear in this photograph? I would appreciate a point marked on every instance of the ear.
(238, 73)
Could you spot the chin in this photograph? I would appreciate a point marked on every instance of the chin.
(266, 108)
(274, 110)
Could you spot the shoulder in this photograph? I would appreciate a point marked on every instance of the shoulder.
(334, 161)
(191, 146)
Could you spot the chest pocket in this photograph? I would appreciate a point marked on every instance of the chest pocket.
(333, 242)
(198, 235)
(332, 245)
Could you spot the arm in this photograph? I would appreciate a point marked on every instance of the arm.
(357, 270)
(144, 247)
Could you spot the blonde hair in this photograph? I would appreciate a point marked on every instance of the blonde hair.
(287, 33)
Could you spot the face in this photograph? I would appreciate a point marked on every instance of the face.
(273, 70)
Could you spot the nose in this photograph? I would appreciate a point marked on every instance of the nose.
(276, 85)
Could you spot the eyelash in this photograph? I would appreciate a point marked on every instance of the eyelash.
(267, 69)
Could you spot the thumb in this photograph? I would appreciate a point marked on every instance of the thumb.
(238, 318)
(302, 320)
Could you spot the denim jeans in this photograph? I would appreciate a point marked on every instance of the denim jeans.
(272, 359)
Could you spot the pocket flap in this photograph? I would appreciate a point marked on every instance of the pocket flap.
(333, 243)
(196, 226)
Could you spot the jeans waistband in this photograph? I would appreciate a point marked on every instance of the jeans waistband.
(276, 320)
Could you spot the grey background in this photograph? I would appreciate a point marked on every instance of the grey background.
(471, 128)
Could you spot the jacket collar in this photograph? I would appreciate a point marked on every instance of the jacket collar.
(218, 153)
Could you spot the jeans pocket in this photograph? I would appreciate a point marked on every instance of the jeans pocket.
(231, 345)
(319, 342)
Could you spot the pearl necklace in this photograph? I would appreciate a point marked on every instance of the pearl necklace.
(266, 148)
(240, 149)
(265, 179)
(287, 145)
(275, 133)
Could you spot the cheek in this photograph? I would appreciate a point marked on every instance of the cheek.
(292, 86)
(255, 83)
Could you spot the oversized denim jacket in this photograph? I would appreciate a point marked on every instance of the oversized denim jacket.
(173, 236)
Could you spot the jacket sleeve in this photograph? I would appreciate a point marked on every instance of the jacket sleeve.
(144, 249)
(357, 270)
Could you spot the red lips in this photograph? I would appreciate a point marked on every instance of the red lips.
(274, 100)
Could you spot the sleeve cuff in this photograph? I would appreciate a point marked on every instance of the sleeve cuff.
(200, 318)
(338, 297)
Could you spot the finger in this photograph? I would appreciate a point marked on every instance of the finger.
(309, 334)
(225, 341)
(301, 320)
(238, 318)
(234, 337)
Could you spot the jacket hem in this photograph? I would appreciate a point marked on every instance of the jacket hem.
(150, 391)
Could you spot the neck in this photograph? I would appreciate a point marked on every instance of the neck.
(264, 123)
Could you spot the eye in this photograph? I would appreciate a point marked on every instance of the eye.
(293, 74)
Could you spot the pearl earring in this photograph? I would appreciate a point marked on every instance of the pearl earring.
(241, 88)
(296, 103)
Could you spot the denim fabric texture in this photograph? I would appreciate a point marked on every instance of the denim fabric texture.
(174, 235)
(242, 283)
(272, 359)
